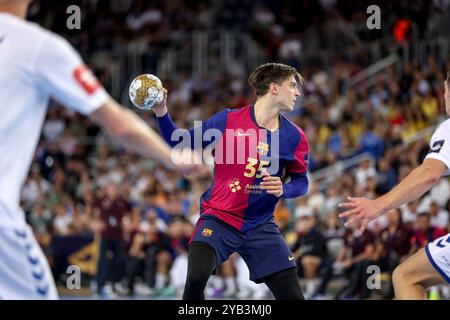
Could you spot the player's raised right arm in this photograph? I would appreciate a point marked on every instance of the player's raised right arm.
(167, 128)
(132, 132)
(165, 123)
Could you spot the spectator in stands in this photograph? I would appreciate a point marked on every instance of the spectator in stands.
(371, 142)
(363, 172)
(40, 219)
(387, 178)
(439, 216)
(393, 245)
(333, 231)
(410, 214)
(145, 241)
(63, 221)
(353, 259)
(51, 158)
(134, 248)
(425, 232)
(282, 217)
(36, 188)
(159, 249)
(110, 208)
(309, 250)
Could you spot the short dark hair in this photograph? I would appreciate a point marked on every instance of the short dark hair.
(424, 214)
(261, 78)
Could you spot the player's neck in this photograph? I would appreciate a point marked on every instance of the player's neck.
(17, 9)
(266, 115)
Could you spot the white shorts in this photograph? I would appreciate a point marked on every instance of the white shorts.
(438, 253)
(24, 271)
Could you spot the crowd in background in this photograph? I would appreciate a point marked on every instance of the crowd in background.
(138, 216)
(279, 26)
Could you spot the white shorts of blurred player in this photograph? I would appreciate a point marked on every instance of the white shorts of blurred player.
(178, 273)
(24, 270)
(438, 253)
(247, 288)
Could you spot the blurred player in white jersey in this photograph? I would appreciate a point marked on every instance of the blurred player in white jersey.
(430, 266)
(35, 65)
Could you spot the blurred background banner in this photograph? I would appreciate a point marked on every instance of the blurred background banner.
(76, 250)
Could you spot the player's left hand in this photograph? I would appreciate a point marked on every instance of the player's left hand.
(272, 185)
(361, 211)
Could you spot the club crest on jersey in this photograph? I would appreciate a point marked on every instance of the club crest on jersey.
(234, 185)
(262, 148)
(207, 233)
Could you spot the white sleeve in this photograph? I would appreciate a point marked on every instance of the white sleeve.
(440, 145)
(63, 75)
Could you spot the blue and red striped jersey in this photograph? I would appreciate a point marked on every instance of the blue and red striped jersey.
(242, 152)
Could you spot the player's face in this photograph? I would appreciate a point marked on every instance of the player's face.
(111, 190)
(288, 93)
(423, 223)
(393, 216)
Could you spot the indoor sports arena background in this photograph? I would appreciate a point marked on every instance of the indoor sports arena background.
(372, 97)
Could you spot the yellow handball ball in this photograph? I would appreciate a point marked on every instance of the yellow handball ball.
(146, 91)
